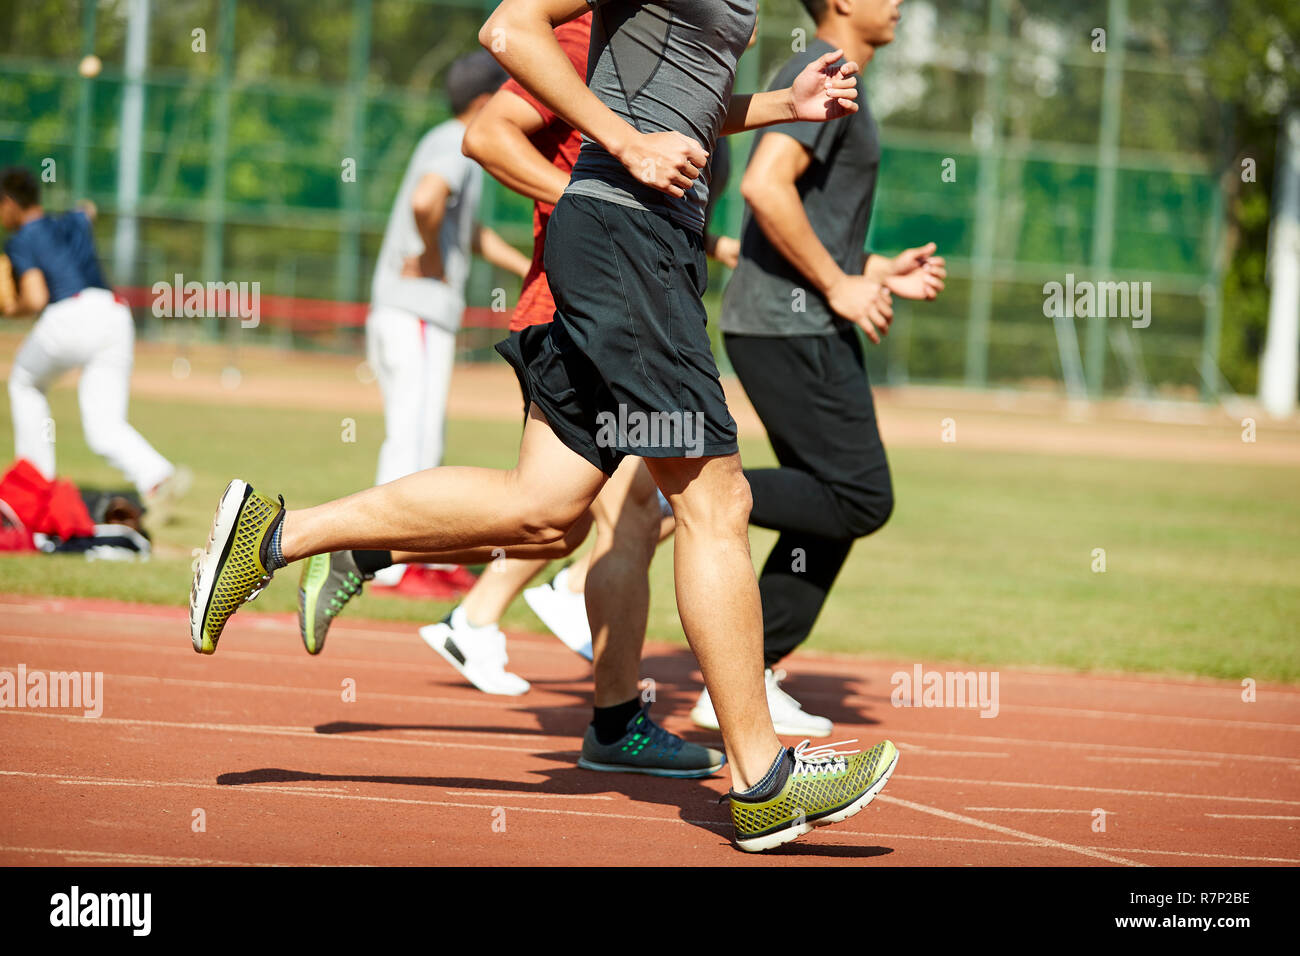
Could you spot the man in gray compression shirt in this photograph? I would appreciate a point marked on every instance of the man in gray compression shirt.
(660, 67)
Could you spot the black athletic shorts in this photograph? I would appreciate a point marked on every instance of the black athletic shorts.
(625, 368)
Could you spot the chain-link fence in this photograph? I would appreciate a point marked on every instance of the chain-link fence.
(1035, 141)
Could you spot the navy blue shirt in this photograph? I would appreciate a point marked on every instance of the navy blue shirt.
(62, 247)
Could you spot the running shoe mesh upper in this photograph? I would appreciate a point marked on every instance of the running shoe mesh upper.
(243, 574)
(814, 788)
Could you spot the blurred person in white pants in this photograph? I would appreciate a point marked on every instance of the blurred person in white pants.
(418, 292)
(82, 325)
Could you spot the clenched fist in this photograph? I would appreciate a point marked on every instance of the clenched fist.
(668, 161)
(864, 302)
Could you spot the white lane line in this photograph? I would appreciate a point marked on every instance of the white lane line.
(922, 751)
(420, 699)
(1248, 816)
(1113, 849)
(531, 751)
(1294, 762)
(1008, 831)
(1029, 810)
(712, 825)
(305, 791)
(1161, 718)
(1212, 856)
(140, 858)
(528, 643)
(1145, 685)
(303, 733)
(539, 796)
(1131, 793)
(1173, 761)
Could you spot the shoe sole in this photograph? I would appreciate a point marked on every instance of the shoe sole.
(586, 764)
(315, 580)
(537, 600)
(701, 719)
(790, 730)
(772, 840)
(213, 560)
(437, 636)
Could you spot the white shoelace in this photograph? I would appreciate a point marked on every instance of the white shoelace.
(261, 586)
(810, 759)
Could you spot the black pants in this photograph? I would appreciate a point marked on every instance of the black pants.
(832, 486)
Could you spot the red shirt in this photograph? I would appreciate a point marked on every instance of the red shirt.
(559, 142)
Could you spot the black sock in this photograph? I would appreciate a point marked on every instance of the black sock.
(611, 722)
(368, 562)
(773, 780)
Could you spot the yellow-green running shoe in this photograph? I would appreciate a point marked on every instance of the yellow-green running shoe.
(824, 786)
(328, 582)
(233, 568)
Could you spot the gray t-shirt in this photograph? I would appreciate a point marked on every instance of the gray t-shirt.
(769, 296)
(434, 300)
(666, 65)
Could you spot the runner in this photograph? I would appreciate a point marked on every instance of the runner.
(527, 147)
(810, 187)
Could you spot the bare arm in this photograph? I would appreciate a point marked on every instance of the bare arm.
(520, 35)
(912, 274)
(33, 294)
(770, 187)
(500, 253)
(819, 93)
(498, 141)
(429, 206)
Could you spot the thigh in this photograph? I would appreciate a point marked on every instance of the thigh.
(630, 492)
(814, 399)
(627, 285)
(43, 356)
(552, 474)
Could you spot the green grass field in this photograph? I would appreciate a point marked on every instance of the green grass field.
(987, 559)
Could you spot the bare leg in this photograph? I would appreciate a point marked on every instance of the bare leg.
(717, 598)
(577, 578)
(483, 554)
(498, 585)
(457, 509)
(618, 584)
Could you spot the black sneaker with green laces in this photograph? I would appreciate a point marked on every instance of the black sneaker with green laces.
(328, 583)
(648, 748)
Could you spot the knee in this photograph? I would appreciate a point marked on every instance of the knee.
(725, 511)
(21, 382)
(867, 510)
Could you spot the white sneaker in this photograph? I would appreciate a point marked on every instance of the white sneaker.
(703, 714)
(479, 653)
(389, 577)
(564, 612)
(788, 716)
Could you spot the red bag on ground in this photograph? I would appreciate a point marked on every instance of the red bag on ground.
(13, 536)
(45, 507)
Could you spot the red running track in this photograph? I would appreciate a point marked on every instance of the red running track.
(422, 769)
